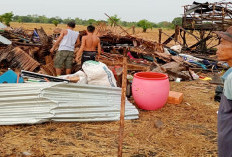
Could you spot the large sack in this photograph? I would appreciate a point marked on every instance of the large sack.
(80, 74)
(98, 74)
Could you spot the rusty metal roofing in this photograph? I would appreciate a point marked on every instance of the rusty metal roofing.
(30, 103)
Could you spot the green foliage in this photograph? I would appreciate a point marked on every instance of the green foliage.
(165, 24)
(144, 24)
(7, 18)
(113, 20)
(55, 22)
(1, 18)
(177, 21)
(67, 20)
(91, 21)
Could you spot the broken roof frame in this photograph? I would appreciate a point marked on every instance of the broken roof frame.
(198, 15)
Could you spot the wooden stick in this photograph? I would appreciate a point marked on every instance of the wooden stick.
(160, 35)
(123, 97)
(117, 24)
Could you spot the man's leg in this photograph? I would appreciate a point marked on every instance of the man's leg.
(68, 71)
(58, 62)
(69, 62)
(58, 72)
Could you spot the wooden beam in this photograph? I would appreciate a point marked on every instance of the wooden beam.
(123, 100)
(160, 35)
(188, 32)
(201, 41)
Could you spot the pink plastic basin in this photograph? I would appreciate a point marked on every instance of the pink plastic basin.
(150, 90)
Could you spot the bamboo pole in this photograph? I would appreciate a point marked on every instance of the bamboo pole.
(123, 98)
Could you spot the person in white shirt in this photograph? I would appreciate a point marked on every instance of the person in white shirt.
(67, 41)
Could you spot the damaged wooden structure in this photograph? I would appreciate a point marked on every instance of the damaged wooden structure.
(30, 51)
(200, 20)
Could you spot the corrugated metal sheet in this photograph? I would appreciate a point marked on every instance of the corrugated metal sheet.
(5, 40)
(31, 103)
(2, 25)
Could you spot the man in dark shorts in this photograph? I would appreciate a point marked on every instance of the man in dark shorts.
(224, 53)
(89, 44)
(66, 41)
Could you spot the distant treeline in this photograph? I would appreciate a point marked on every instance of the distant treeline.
(113, 20)
(44, 19)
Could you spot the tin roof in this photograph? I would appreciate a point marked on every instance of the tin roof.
(30, 103)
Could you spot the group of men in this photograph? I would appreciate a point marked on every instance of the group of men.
(66, 43)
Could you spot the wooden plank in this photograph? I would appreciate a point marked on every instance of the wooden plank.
(123, 100)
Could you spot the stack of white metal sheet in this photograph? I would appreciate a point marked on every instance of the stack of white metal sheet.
(31, 103)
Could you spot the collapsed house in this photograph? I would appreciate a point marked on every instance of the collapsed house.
(199, 21)
(30, 51)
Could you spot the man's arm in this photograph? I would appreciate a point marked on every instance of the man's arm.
(99, 48)
(78, 41)
(58, 41)
(81, 48)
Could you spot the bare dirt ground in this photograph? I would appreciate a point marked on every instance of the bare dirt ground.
(184, 130)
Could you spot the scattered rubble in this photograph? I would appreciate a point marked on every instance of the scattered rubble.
(30, 51)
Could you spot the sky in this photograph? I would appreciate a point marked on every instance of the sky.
(127, 10)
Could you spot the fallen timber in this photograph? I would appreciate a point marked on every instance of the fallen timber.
(145, 55)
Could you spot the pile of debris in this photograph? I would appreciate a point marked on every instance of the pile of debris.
(142, 55)
(29, 50)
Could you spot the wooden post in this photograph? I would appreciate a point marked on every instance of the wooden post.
(177, 32)
(184, 39)
(133, 29)
(123, 99)
(223, 19)
(160, 35)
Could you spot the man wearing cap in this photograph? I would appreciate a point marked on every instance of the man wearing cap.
(224, 53)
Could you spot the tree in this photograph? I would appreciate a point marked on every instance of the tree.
(7, 18)
(91, 21)
(113, 20)
(78, 21)
(1, 18)
(55, 22)
(177, 21)
(144, 24)
(67, 20)
(165, 24)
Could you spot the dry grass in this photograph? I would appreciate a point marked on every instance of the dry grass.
(188, 130)
(152, 35)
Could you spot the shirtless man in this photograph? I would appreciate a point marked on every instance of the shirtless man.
(88, 45)
(67, 41)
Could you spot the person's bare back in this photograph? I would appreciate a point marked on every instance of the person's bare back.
(91, 42)
(90, 45)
